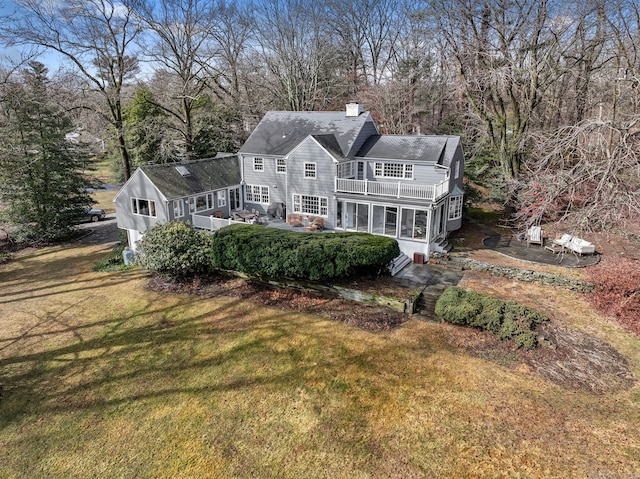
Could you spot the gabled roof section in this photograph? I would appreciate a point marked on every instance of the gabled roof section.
(433, 149)
(329, 143)
(204, 175)
(279, 132)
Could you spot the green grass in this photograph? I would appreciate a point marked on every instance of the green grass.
(103, 378)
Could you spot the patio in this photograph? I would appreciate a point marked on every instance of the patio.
(510, 246)
(211, 223)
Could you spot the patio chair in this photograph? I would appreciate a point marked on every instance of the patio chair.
(317, 224)
(534, 235)
(218, 214)
(294, 219)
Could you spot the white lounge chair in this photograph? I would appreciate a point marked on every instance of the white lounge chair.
(575, 244)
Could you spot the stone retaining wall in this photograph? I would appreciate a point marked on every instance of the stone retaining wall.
(332, 291)
(518, 273)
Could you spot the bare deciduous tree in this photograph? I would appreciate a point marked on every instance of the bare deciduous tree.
(180, 47)
(96, 36)
(586, 175)
(504, 52)
(298, 58)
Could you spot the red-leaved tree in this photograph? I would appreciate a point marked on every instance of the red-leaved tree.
(617, 290)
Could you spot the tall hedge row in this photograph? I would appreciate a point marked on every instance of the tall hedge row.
(505, 319)
(177, 251)
(312, 256)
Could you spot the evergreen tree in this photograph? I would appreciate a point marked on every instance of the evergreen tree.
(146, 127)
(42, 186)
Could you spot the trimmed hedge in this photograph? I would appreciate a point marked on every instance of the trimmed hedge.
(280, 253)
(506, 319)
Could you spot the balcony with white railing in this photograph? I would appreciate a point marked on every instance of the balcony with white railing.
(394, 190)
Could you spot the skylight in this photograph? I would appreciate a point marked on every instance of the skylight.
(183, 170)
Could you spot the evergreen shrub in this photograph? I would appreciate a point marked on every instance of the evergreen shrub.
(175, 250)
(506, 319)
(311, 256)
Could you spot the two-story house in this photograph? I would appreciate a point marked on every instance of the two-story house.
(330, 164)
(337, 165)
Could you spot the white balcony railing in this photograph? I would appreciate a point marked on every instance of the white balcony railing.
(395, 190)
(209, 222)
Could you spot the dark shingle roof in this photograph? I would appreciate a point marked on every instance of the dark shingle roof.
(204, 175)
(279, 132)
(436, 149)
(329, 143)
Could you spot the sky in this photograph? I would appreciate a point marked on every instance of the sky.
(12, 55)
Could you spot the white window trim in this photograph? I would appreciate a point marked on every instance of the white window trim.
(258, 164)
(379, 167)
(323, 205)
(250, 194)
(178, 208)
(193, 202)
(455, 207)
(398, 209)
(136, 210)
(315, 170)
(346, 169)
(281, 166)
(221, 198)
(413, 226)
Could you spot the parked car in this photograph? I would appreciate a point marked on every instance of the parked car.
(93, 215)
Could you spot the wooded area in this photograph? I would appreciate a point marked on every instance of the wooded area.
(544, 92)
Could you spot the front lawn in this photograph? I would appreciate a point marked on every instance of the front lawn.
(102, 377)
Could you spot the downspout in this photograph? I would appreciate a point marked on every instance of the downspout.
(429, 227)
(242, 182)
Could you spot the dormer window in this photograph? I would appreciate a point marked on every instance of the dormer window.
(258, 164)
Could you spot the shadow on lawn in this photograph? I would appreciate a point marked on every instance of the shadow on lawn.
(168, 355)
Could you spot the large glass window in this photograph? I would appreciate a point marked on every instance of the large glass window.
(391, 221)
(256, 194)
(406, 223)
(378, 220)
(350, 219)
(346, 169)
(143, 207)
(455, 207)
(312, 205)
(413, 224)
(393, 170)
(362, 221)
(385, 220)
(202, 202)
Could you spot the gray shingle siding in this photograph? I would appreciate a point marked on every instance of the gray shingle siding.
(268, 177)
(324, 183)
(139, 186)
